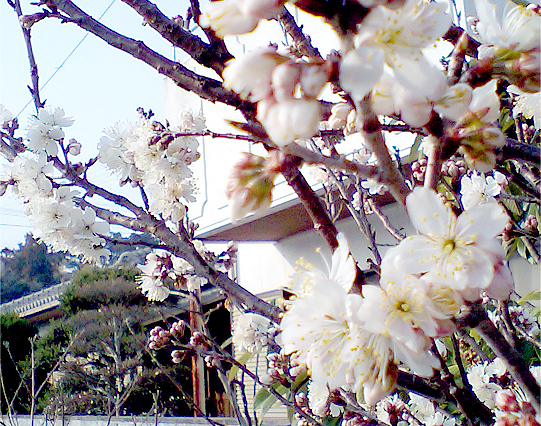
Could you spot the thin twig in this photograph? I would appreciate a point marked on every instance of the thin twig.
(371, 131)
(34, 90)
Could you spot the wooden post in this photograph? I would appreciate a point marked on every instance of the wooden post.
(198, 365)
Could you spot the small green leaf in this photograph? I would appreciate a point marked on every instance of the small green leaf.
(226, 343)
(242, 359)
(532, 296)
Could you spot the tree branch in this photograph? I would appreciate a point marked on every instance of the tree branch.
(205, 87)
(301, 42)
(311, 202)
(371, 131)
(209, 55)
(34, 76)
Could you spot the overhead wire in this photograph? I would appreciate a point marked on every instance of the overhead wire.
(67, 57)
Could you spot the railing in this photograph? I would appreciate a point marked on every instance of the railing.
(36, 302)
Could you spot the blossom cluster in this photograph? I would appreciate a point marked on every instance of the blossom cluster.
(51, 202)
(251, 332)
(356, 342)
(285, 90)
(392, 46)
(163, 271)
(148, 155)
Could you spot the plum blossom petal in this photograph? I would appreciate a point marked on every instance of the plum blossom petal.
(360, 70)
(462, 251)
(289, 120)
(250, 332)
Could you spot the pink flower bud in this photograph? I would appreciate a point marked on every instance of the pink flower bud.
(507, 401)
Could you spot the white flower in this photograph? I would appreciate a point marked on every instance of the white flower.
(46, 129)
(463, 251)
(250, 332)
(420, 406)
(289, 120)
(319, 403)
(482, 379)
(153, 288)
(519, 31)
(454, 102)
(250, 74)
(396, 38)
(235, 17)
(5, 115)
(374, 187)
(339, 115)
(476, 189)
(527, 104)
(406, 314)
(323, 332)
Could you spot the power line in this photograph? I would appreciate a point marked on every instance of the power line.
(66, 59)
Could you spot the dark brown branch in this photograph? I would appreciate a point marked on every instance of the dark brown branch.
(311, 202)
(476, 317)
(301, 42)
(520, 151)
(212, 56)
(205, 87)
(34, 76)
(371, 131)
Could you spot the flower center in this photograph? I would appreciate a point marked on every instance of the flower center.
(449, 245)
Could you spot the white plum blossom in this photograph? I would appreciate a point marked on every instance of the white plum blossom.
(163, 270)
(152, 278)
(374, 187)
(285, 91)
(527, 104)
(235, 17)
(483, 378)
(250, 332)
(454, 102)
(512, 44)
(404, 311)
(5, 115)
(322, 331)
(478, 189)
(148, 155)
(397, 38)
(319, 401)
(518, 30)
(46, 130)
(463, 252)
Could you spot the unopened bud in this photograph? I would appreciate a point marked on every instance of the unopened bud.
(507, 401)
(74, 147)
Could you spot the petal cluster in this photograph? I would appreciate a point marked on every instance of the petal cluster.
(148, 155)
(285, 91)
(356, 342)
(460, 253)
(396, 38)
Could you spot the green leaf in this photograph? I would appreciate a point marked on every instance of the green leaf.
(242, 359)
(331, 421)
(506, 122)
(521, 249)
(532, 296)
(226, 343)
(513, 207)
(265, 400)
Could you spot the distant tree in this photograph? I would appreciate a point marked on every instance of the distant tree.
(106, 370)
(28, 268)
(15, 335)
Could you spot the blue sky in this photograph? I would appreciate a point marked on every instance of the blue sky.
(95, 84)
